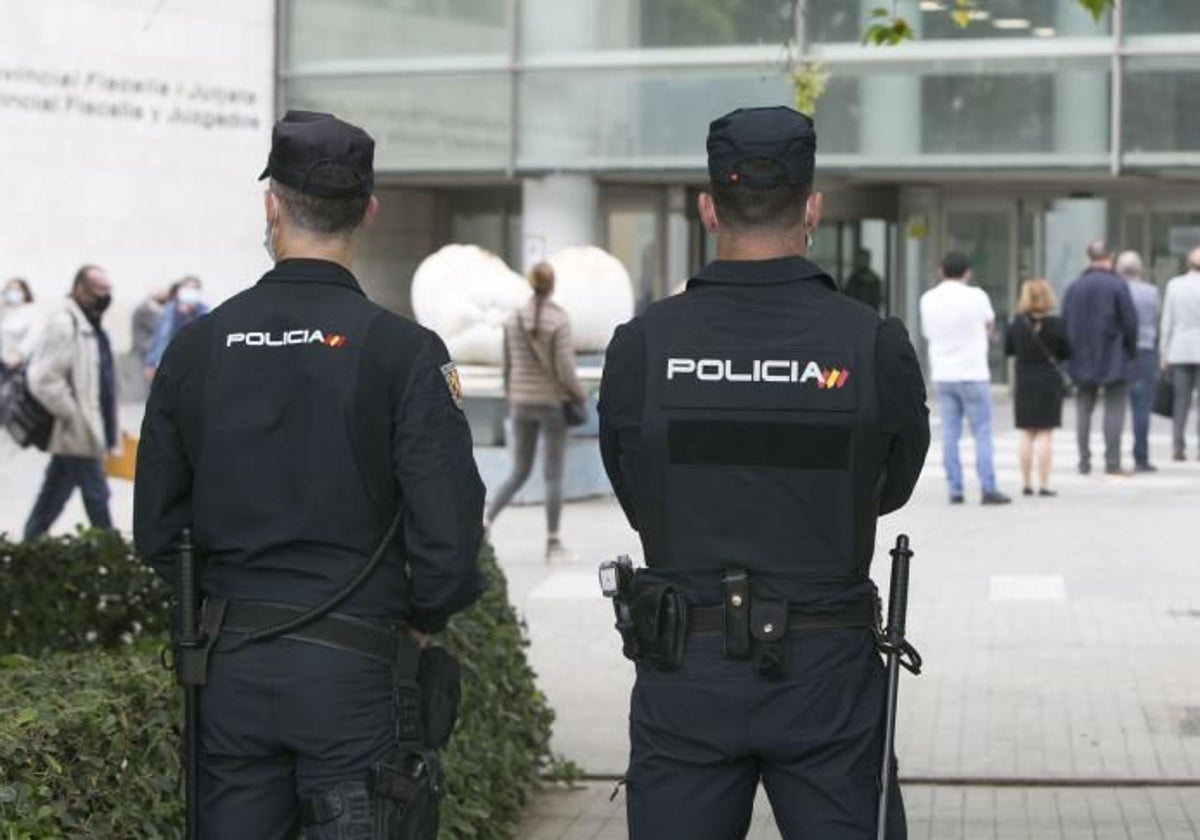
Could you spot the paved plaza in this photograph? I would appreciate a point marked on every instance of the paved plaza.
(1061, 639)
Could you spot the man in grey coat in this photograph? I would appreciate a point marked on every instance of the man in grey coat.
(1180, 339)
(71, 374)
(1102, 326)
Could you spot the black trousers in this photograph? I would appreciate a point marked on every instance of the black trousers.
(703, 737)
(285, 719)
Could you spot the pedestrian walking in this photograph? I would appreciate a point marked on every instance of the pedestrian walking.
(539, 376)
(17, 324)
(144, 323)
(1038, 342)
(313, 444)
(957, 321)
(183, 306)
(1141, 389)
(753, 428)
(1102, 327)
(71, 374)
(1181, 346)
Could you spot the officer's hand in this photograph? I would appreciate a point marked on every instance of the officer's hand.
(422, 638)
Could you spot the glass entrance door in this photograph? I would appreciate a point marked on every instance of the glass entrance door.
(986, 233)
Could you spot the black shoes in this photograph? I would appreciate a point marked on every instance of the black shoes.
(994, 498)
(1145, 468)
(1028, 491)
(1047, 493)
(1084, 469)
(956, 500)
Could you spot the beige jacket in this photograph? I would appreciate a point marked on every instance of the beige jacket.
(1180, 333)
(525, 378)
(64, 376)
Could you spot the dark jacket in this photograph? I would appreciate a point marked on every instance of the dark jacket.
(1102, 328)
(763, 420)
(287, 427)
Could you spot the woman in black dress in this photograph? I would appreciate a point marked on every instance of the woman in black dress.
(1038, 341)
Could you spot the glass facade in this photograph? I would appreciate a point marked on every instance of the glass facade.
(628, 85)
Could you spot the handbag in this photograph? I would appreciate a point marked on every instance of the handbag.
(574, 413)
(26, 420)
(1164, 395)
(1068, 386)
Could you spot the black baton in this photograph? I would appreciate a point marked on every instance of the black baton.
(190, 643)
(899, 653)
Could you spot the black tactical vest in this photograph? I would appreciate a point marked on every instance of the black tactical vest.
(760, 441)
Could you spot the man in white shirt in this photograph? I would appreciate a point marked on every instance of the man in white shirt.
(1180, 337)
(957, 320)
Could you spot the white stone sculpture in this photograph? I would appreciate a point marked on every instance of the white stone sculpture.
(465, 293)
(594, 287)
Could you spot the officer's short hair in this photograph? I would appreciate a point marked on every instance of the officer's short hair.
(779, 207)
(322, 216)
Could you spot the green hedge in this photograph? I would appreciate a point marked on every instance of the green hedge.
(88, 741)
(77, 593)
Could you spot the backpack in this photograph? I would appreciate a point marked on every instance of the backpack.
(26, 420)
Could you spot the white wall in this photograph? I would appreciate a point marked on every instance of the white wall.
(102, 155)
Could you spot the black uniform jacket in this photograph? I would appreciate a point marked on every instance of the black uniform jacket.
(762, 420)
(287, 428)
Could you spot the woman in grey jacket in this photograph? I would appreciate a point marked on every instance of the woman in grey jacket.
(539, 376)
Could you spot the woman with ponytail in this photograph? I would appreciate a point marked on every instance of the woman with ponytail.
(539, 376)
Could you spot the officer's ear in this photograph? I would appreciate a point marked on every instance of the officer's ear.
(813, 208)
(708, 212)
(271, 207)
(372, 211)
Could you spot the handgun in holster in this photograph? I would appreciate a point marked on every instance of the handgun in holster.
(616, 582)
(652, 616)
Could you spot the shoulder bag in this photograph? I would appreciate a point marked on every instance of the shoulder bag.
(1068, 387)
(575, 414)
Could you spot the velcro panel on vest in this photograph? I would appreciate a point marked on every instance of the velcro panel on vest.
(739, 443)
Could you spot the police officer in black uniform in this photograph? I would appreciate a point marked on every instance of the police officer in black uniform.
(297, 430)
(754, 428)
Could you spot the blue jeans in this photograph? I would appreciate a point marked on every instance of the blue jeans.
(1141, 399)
(973, 399)
(63, 475)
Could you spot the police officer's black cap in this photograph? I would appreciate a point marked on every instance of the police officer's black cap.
(778, 134)
(318, 154)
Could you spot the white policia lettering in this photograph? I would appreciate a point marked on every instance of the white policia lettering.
(761, 370)
(264, 339)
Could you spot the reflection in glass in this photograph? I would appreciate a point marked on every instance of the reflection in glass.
(623, 117)
(1162, 105)
(419, 123)
(330, 30)
(842, 21)
(1168, 17)
(557, 26)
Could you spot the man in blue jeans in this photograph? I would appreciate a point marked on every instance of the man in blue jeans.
(957, 320)
(1141, 392)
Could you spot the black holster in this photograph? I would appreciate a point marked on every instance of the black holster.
(409, 788)
(660, 621)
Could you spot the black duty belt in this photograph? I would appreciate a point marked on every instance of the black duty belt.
(710, 621)
(342, 632)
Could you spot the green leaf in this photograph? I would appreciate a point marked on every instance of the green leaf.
(962, 18)
(1096, 8)
(880, 13)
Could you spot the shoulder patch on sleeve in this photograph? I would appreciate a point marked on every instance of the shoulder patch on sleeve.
(454, 383)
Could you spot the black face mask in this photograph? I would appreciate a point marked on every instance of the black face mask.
(101, 303)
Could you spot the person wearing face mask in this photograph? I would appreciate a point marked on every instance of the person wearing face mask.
(183, 307)
(71, 373)
(16, 324)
